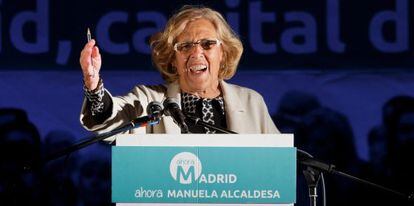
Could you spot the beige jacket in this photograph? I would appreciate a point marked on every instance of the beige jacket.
(246, 111)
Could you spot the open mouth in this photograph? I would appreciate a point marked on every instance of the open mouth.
(197, 69)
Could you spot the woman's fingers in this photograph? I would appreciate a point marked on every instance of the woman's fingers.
(90, 61)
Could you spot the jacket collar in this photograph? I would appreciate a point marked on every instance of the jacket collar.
(231, 98)
(174, 91)
(235, 109)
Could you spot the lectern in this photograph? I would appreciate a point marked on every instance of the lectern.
(215, 169)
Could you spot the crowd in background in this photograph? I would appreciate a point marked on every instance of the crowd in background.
(327, 135)
(85, 178)
(75, 179)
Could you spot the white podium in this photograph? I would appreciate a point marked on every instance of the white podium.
(201, 169)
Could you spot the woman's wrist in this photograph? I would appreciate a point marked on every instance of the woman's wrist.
(92, 84)
(95, 97)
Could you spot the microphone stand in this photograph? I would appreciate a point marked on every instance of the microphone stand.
(138, 122)
(197, 121)
(315, 164)
(312, 177)
(315, 167)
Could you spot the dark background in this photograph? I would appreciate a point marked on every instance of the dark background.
(326, 34)
(339, 74)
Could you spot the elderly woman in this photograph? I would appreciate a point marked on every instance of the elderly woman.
(195, 53)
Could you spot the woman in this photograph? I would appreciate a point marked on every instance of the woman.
(196, 51)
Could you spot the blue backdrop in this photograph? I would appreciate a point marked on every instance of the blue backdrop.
(53, 98)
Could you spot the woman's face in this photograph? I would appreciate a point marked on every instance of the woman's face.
(197, 58)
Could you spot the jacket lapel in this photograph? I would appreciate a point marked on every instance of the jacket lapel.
(173, 91)
(235, 110)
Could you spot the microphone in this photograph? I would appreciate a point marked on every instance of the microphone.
(171, 108)
(308, 160)
(154, 111)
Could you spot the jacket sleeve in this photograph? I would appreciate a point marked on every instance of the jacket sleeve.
(124, 109)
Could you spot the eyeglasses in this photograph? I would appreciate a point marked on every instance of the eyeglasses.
(206, 44)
